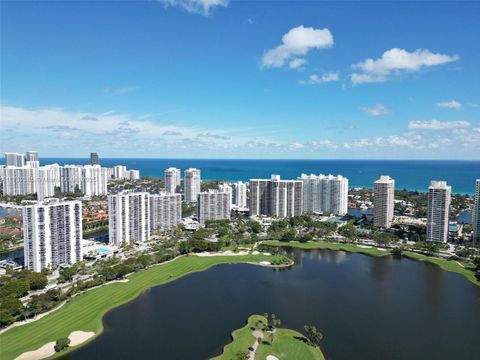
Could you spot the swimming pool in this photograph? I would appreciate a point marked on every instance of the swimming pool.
(103, 250)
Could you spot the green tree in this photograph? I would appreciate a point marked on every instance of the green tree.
(37, 281)
(313, 335)
(62, 343)
(241, 355)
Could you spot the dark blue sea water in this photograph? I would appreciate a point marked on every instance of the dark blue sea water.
(409, 174)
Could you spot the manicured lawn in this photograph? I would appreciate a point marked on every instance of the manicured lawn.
(329, 245)
(287, 345)
(85, 311)
(448, 265)
(242, 339)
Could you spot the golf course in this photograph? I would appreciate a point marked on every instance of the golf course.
(287, 343)
(85, 311)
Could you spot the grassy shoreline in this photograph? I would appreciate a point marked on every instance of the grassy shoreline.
(288, 344)
(447, 265)
(85, 312)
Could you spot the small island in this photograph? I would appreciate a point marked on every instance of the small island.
(262, 338)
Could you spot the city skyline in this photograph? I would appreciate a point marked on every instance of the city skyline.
(242, 80)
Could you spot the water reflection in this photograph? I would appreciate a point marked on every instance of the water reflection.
(367, 307)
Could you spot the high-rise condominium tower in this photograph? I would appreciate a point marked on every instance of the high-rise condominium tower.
(276, 197)
(129, 217)
(325, 194)
(383, 201)
(191, 184)
(438, 211)
(165, 210)
(172, 180)
(31, 156)
(476, 213)
(94, 159)
(52, 233)
(14, 159)
(213, 205)
(240, 194)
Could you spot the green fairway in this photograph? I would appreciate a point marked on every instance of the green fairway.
(242, 339)
(85, 311)
(287, 345)
(448, 265)
(329, 245)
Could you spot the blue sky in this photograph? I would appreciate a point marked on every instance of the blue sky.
(241, 79)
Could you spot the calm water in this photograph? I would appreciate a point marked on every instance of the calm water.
(367, 308)
(413, 175)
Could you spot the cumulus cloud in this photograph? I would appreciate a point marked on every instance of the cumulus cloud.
(325, 143)
(377, 110)
(450, 104)
(296, 146)
(109, 129)
(202, 7)
(396, 61)
(297, 63)
(297, 42)
(438, 125)
(314, 79)
(118, 91)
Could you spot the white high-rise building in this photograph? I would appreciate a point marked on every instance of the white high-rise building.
(438, 211)
(18, 180)
(172, 180)
(240, 195)
(325, 194)
(165, 210)
(30, 179)
(94, 180)
(71, 178)
(45, 180)
(213, 205)
(276, 197)
(14, 159)
(191, 184)
(224, 187)
(31, 156)
(383, 201)
(52, 234)
(129, 217)
(134, 174)
(120, 172)
(476, 213)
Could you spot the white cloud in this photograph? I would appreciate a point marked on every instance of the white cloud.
(438, 125)
(202, 7)
(297, 63)
(395, 61)
(324, 144)
(297, 42)
(450, 104)
(314, 79)
(296, 146)
(377, 110)
(118, 91)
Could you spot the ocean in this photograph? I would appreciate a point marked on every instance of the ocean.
(408, 174)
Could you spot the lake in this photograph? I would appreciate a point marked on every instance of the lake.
(366, 307)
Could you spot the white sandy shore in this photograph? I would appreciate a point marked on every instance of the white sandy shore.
(78, 337)
(47, 350)
(41, 353)
(365, 246)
